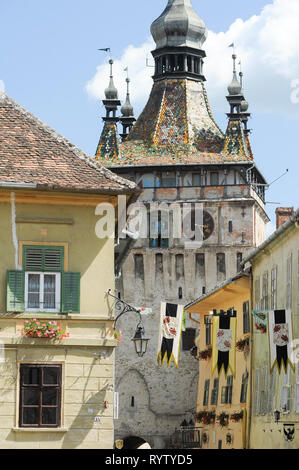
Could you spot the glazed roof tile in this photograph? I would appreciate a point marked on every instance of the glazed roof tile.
(177, 126)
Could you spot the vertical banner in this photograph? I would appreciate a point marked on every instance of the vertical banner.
(171, 322)
(280, 339)
(224, 344)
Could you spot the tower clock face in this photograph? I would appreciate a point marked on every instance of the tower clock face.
(205, 229)
(208, 225)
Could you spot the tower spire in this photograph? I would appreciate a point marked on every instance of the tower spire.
(127, 119)
(108, 146)
(236, 139)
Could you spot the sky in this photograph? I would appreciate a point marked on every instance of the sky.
(50, 64)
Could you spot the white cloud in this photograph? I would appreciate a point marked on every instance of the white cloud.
(268, 46)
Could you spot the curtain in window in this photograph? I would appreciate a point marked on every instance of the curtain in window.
(33, 291)
(49, 291)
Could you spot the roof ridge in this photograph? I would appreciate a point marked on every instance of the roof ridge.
(61, 139)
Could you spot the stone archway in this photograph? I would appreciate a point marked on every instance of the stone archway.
(135, 442)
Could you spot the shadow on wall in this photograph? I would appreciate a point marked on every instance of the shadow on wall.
(96, 403)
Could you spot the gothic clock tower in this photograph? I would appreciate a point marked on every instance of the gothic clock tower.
(176, 152)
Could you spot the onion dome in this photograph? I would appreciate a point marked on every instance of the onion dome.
(111, 92)
(235, 88)
(127, 109)
(179, 25)
(244, 106)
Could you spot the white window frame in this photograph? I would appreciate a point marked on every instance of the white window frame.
(274, 288)
(41, 292)
(286, 393)
(265, 291)
(264, 391)
(257, 292)
(289, 268)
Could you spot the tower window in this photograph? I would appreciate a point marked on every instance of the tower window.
(180, 293)
(196, 179)
(214, 179)
(132, 402)
(221, 267)
(168, 180)
(230, 226)
(139, 267)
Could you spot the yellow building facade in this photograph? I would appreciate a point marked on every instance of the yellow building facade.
(223, 397)
(275, 369)
(56, 322)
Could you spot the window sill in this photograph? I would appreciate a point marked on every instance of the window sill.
(16, 429)
(79, 341)
(56, 316)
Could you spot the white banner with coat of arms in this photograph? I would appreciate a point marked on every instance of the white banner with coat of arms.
(281, 339)
(171, 323)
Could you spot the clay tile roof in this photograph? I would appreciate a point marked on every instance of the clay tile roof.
(32, 152)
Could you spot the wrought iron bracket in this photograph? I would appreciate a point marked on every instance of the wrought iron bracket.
(123, 307)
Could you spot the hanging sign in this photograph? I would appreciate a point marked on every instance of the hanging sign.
(171, 322)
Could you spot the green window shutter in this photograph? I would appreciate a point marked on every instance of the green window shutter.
(15, 291)
(70, 293)
(43, 258)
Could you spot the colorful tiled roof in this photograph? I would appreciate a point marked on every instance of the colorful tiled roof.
(32, 152)
(108, 147)
(178, 126)
(236, 142)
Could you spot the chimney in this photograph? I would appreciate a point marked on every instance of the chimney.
(283, 214)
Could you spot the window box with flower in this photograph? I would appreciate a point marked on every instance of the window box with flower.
(41, 329)
(205, 354)
(223, 419)
(118, 335)
(206, 417)
(236, 417)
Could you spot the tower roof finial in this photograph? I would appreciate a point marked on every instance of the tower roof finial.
(235, 87)
(127, 109)
(179, 25)
(111, 92)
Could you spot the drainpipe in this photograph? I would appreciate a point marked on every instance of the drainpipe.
(250, 366)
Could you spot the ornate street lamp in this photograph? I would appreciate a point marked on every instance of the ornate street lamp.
(140, 342)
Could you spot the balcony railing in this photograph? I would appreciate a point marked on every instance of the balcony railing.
(190, 438)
